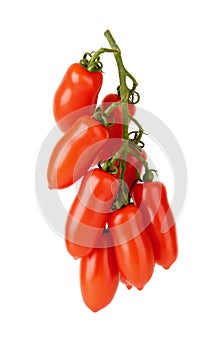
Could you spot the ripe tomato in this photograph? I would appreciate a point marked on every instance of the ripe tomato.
(89, 212)
(75, 151)
(79, 88)
(151, 198)
(133, 250)
(99, 275)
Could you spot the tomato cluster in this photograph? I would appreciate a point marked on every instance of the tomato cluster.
(118, 225)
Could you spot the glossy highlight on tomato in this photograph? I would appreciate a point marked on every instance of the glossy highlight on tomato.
(89, 212)
(119, 224)
(74, 153)
(133, 249)
(79, 88)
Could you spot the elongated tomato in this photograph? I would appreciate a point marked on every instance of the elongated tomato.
(132, 246)
(99, 275)
(151, 198)
(75, 151)
(89, 212)
(79, 88)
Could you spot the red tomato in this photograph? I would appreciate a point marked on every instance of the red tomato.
(89, 212)
(116, 130)
(79, 88)
(99, 275)
(132, 247)
(151, 197)
(75, 151)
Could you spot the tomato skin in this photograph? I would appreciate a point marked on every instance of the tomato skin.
(79, 88)
(116, 130)
(151, 197)
(89, 212)
(75, 151)
(99, 275)
(133, 250)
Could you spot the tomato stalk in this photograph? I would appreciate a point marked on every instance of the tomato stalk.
(123, 74)
(118, 153)
(141, 130)
(126, 97)
(123, 195)
(112, 106)
(91, 64)
(109, 164)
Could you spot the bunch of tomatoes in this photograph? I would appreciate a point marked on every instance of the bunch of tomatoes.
(120, 223)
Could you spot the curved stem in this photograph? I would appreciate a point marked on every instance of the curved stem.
(98, 53)
(137, 123)
(118, 153)
(112, 106)
(135, 84)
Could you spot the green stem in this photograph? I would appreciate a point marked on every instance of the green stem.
(124, 93)
(124, 189)
(118, 153)
(138, 139)
(123, 195)
(98, 53)
(123, 74)
(137, 123)
(117, 55)
(112, 106)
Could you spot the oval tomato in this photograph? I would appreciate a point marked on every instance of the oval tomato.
(151, 198)
(74, 153)
(88, 214)
(132, 246)
(79, 88)
(99, 275)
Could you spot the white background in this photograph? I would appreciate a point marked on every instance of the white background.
(175, 50)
